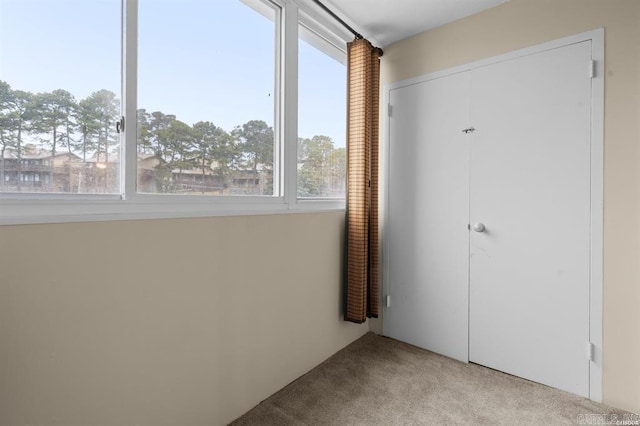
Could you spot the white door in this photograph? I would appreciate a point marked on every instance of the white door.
(530, 187)
(428, 205)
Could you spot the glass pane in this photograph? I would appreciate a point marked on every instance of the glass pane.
(321, 118)
(206, 97)
(59, 96)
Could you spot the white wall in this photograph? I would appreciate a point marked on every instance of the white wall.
(522, 23)
(165, 322)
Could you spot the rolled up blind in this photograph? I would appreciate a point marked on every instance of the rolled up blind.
(362, 245)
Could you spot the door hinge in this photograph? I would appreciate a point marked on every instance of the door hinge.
(590, 351)
(120, 125)
(592, 69)
(389, 110)
(468, 130)
(387, 301)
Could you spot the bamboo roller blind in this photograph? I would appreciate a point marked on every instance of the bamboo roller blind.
(362, 245)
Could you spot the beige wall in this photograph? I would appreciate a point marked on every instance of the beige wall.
(521, 23)
(164, 322)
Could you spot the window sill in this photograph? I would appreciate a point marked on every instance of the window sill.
(41, 211)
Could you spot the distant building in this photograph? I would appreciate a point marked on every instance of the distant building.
(147, 163)
(205, 180)
(35, 170)
(196, 180)
(251, 182)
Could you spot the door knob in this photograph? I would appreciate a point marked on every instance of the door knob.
(479, 227)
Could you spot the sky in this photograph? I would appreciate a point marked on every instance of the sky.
(201, 60)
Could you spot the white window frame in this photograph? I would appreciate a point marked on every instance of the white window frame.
(57, 208)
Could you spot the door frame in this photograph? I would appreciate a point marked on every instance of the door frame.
(597, 182)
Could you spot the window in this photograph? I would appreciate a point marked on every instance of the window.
(206, 97)
(59, 96)
(167, 108)
(321, 117)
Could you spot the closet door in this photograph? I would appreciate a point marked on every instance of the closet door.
(530, 187)
(428, 211)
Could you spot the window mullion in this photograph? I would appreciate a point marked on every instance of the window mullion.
(290, 101)
(129, 96)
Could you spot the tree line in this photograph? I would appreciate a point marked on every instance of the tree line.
(56, 121)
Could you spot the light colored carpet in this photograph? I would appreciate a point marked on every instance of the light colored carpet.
(381, 381)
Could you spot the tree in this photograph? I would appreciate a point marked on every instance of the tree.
(70, 111)
(178, 138)
(157, 123)
(101, 111)
(172, 141)
(338, 165)
(16, 108)
(98, 114)
(204, 138)
(215, 149)
(143, 143)
(53, 110)
(316, 174)
(255, 139)
(256, 143)
(226, 155)
(89, 127)
(6, 141)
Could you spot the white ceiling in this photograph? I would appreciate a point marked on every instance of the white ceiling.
(387, 21)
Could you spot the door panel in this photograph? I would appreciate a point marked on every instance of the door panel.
(428, 212)
(530, 186)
